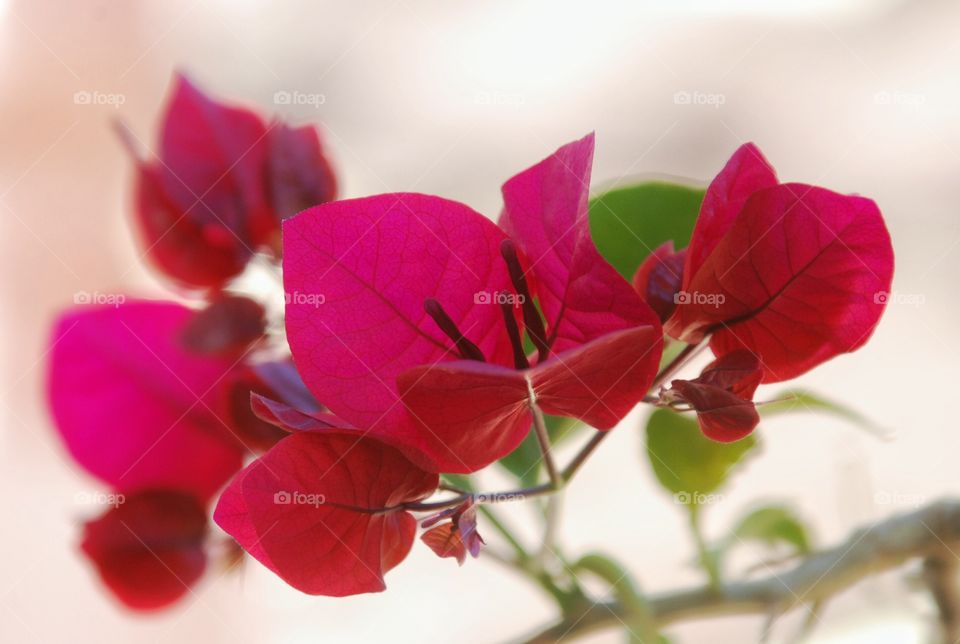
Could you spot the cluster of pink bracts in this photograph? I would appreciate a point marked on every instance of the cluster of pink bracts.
(429, 335)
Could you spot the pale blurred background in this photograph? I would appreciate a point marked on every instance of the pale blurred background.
(452, 98)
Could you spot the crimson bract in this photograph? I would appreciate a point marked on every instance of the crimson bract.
(419, 337)
(219, 186)
(790, 272)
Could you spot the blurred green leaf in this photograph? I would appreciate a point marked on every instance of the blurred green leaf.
(462, 481)
(798, 400)
(671, 350)
(628, 223)
(525, 461)
(686, 462)
(772, 525)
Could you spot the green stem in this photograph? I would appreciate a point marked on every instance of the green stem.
(551, 525)
(543, 440)
(707, 561)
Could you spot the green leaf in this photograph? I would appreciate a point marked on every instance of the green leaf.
(462, 481)
(628, 223)
(686, 462)
(525, 461)
(772, 525)
(798, 400)
(639, 622)
(707, 558)
(671, 351)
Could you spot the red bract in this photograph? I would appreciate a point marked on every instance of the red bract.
(228, 326)
(324, 510)
(251, 397)
(291, 419)
(220, 185)
(790, 272)
(722, 396)
(484, 409)
(300, 174)
(745, 173)
(545, 212)
(658, 279)
(357, 274)
(285, 383)
(179, 247)
(213, 157)
(149, 549)
(133, 407)
(739, 372)
(425, 298)
(255, 433)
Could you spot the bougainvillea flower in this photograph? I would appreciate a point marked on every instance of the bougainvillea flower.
(425, 299)
(289, 418)
(658, 279)
(453, 533)
(136, 409)
(546, 214)
(149, 549)
(220, 185)
(176, 245)
(283, 379)
(722, 396)
(251, 429)
(300, 175)
(324, 510)
(261, 395)
(228, 326)
(790, 272)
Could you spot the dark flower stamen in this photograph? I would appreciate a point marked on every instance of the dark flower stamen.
(519, 357)
(467, 349)
(531, 317)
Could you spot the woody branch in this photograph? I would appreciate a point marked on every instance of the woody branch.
(931, 533)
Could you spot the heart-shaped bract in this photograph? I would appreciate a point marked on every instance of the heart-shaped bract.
(324, 510)
(792, 273)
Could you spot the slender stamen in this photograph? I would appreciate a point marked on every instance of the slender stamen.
(467, 349)
(532, 321)
(519, 357)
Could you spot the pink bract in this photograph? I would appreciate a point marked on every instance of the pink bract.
(136, 409)
(421, 298)
(796, 274)
(322, 510)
